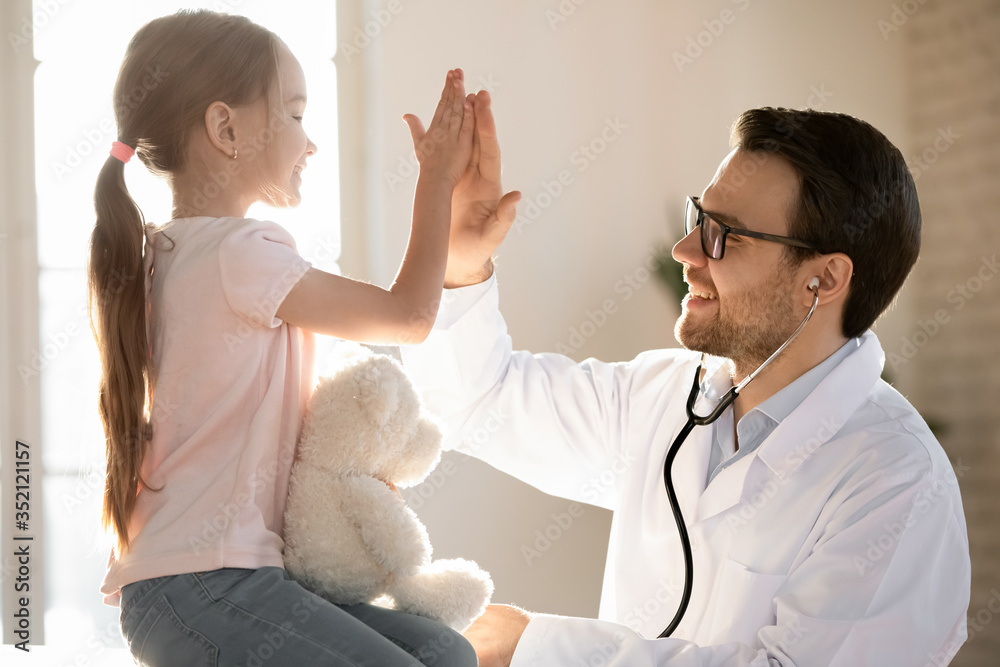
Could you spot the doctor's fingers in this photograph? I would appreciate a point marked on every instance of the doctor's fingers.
(488, 158)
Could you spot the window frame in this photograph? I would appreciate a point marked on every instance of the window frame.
(20, 407)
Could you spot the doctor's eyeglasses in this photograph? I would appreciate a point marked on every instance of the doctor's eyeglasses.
(714, 233)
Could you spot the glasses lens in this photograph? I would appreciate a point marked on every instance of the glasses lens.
(690, 217)
(711, 238)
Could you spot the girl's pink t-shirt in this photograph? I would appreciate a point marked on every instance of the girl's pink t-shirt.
(231, 384)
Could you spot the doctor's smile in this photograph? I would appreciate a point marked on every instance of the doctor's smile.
(696, 295)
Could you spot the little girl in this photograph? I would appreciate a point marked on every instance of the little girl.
(216, 317)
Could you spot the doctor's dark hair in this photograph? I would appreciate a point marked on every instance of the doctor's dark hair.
(174, 68)
(856, 196)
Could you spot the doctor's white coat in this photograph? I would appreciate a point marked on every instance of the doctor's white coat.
(840, 541)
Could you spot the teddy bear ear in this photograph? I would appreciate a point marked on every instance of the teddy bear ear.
(344, 354)
(422, 454)
(379, 389)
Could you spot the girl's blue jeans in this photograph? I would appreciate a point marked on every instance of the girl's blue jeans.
(262, 618)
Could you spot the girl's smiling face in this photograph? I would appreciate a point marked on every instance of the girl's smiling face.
(291, 144)
(273, 143)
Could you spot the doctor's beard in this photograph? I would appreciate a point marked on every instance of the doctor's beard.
(747, 326)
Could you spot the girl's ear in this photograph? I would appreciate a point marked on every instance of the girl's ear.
(219, 125)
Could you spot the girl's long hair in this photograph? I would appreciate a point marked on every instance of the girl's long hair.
(174, 68)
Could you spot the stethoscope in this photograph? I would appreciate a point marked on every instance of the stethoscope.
(698, 420)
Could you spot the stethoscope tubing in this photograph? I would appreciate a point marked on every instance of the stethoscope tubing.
(698, 420)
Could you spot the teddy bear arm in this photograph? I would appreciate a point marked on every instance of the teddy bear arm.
(390, 531)
(454, 591)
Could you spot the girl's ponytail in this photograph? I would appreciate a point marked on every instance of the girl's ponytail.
(117, 297)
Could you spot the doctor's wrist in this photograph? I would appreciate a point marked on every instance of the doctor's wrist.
(455, 280)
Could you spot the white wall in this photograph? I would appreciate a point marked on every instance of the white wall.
(557, 85)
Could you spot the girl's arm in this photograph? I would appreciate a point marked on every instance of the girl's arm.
(404, 313)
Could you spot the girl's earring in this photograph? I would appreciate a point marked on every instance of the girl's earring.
(235, 152)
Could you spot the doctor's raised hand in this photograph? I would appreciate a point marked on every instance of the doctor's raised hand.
(481, 214)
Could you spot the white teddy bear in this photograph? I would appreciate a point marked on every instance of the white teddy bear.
(348, 536)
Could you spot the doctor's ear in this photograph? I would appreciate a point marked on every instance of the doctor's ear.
(830, 275)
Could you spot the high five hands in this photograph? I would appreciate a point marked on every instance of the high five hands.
(481, 214)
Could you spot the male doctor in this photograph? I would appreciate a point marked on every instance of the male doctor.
(826, 522)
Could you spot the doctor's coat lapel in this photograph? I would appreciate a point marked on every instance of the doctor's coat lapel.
(814, 422)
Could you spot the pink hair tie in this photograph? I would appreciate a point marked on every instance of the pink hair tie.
(122, 151)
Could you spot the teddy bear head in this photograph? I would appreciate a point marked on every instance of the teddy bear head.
(366, 419)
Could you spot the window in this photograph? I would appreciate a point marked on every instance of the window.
(80, 48)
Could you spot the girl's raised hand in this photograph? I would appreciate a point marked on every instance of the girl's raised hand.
(444, 149)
